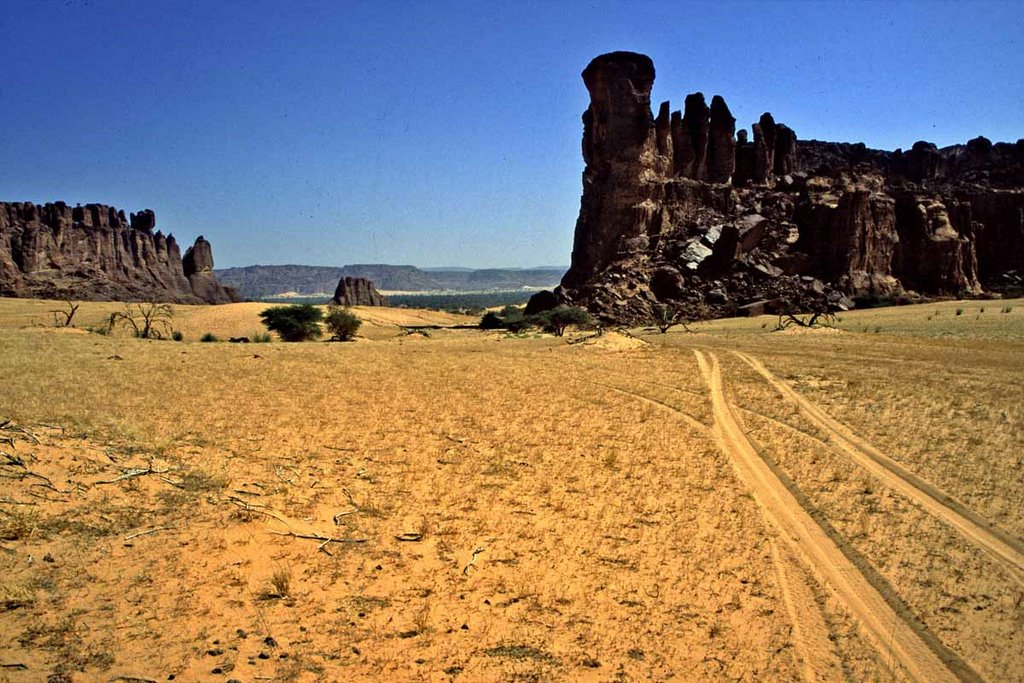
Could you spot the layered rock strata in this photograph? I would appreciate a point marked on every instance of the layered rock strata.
(681, 208)
(97, 253)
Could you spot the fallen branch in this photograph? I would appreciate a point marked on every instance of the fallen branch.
(346, 513)
(133, 473)
(13, 459)
(317, 537)
(147, 532)
(10, 501)
(472, 561)
(258, 509)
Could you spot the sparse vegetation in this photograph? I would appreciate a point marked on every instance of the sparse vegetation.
(280, 584)
(146, 321)
(62, 317)
(342, 323)
(209, 337)
(559, 319)
(294, 323)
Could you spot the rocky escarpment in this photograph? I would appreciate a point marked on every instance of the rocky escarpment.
(683, 209)
(95, 252)
(357, 291)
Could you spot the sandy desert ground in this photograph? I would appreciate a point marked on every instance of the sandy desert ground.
(728, 503)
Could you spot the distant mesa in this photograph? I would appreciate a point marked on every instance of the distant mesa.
(357, 291)
(96, 253)
(681, 209)
(261, 281)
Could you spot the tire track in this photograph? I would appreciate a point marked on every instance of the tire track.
(685, 417)
(1000, 545)
(894, 636)
(817, 658)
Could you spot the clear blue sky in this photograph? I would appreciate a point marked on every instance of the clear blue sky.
(439, 133)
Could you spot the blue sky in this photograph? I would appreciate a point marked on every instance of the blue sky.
(443, 133)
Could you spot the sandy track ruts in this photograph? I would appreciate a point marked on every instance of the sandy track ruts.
(817, 658)
(685, 417)
(892, 635)
(997, 543)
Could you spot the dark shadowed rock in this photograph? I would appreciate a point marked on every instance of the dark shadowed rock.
(543, 300)
(695, 129)
(357, 291)
(682, 208)
(721, 142)
(618, 146)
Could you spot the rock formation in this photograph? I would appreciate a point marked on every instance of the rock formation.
(357, 291)
(198, 266)
(94, 252)
(684, 209)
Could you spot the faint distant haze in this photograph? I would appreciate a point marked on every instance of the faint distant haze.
(440, 133)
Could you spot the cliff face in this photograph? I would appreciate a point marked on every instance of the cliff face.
(681, 208)
(94, 252)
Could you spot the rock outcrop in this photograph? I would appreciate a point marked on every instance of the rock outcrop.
(198, 266)
(684, 209)
(95, 252)
(357, 291)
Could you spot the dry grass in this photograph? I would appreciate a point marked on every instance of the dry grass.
(614, 540)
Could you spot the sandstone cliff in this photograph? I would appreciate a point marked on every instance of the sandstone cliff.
(357, 291)
(682, 208)
(95, 252)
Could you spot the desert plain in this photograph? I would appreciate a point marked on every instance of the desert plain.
(724, 502)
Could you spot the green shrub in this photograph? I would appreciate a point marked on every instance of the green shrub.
(294, 323)
(260, 338)
(559, 318)
(491, 321)
(510, 318)
(209, 337)
(342, 323)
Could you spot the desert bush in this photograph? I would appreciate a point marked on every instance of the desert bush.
(147, 321)
(209, 337)
(260, 338)
(510, 318)
(559, 318)
(491, 321)
(294, 323)
(177, 335)
(342, 323)
(63, 317)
